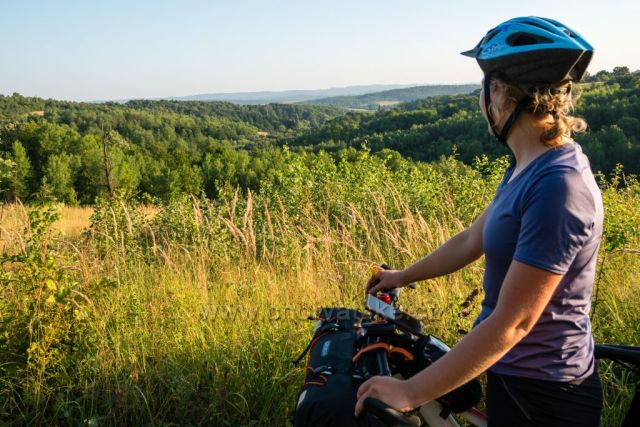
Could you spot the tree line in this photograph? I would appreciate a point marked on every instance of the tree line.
(433, 127)
(158, 150)
(76, 152)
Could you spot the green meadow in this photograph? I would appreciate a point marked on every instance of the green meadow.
(191, 312)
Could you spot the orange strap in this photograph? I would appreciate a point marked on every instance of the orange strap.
(323, 377)
(389, 348)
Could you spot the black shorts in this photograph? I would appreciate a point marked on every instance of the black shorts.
(516, 401)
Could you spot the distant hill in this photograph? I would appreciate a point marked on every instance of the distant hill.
(288, 96)
(373, 101)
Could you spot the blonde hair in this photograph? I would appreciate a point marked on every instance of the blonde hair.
(550, 108)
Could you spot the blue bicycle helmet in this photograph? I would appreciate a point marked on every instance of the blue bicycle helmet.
(530, 52)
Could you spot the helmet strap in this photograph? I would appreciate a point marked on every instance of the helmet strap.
(522, 105)
(487, 103)
(501, 135)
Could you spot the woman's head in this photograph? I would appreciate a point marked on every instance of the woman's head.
(530, 63)
(548, 112)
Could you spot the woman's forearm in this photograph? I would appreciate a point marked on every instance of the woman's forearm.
(525, 293)
(474, 354)
(457, 252)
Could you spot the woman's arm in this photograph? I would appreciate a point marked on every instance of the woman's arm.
(525, 292)
(457, 252)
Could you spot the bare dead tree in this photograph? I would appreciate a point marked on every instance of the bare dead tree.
(106, 140)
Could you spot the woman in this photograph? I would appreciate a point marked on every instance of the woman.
(540, 238)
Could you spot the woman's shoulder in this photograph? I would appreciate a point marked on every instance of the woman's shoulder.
(567, 178)
(565, 166)
(565, 158)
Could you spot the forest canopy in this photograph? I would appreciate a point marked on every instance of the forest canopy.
(158, 150)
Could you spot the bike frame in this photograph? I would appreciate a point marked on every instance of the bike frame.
(432, 410)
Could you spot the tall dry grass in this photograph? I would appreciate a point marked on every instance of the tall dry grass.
(193, 316)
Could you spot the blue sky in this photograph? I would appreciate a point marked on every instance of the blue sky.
(112, 49)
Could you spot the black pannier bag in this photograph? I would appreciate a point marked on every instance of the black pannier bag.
(328, 396)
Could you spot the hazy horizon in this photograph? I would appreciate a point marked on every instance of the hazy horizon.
(86, 51)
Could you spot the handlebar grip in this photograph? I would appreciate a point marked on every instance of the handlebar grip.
(389, 416)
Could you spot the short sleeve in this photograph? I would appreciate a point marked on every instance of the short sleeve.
(557, 218)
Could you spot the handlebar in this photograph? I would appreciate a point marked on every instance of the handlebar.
(388, 415)
(623, 353)
(385, 413)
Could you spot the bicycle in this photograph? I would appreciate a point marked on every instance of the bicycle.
(391, 324)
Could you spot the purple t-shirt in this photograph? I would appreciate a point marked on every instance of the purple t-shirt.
(549, 216)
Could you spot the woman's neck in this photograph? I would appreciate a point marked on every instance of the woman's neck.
(526, 145)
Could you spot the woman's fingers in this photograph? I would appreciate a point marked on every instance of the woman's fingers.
(364, 391)
(383, 282)
(377, 288)
(363, 388)
(370, 284)
(360, 403)
(373, 281)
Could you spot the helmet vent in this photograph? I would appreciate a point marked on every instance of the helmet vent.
(491, 34)
(549, 27)
(523, 39)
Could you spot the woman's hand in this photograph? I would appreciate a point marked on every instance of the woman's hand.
(384, 280)
(392, 391)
